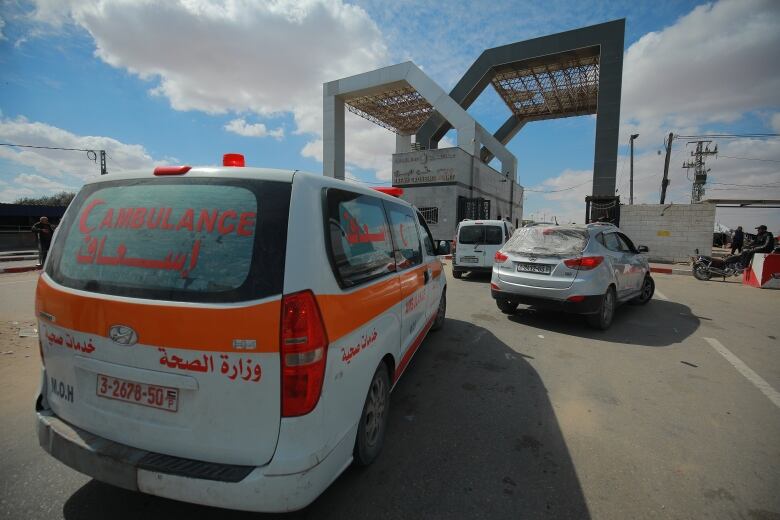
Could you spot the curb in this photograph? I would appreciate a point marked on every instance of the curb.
(21, 269)
(17, 258)
(670, 270)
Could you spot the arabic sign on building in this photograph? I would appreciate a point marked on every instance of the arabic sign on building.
(428, 166)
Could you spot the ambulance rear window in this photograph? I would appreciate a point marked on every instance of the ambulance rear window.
(199, 240)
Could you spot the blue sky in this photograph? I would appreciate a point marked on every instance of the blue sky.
(179, 83)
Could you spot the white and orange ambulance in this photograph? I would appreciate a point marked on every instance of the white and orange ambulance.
(229, 336)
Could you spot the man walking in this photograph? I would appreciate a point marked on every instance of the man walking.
(44, 231)
(738, 240)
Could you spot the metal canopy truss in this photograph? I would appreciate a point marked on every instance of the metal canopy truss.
(401, 110)
(566, 87)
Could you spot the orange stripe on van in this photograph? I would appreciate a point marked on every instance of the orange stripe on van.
(197, 328)
(344, 313)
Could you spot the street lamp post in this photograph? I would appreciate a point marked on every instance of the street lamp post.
(631, 181)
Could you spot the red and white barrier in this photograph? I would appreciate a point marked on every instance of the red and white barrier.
(764, 272)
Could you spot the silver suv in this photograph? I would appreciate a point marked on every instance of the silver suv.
(584, 270)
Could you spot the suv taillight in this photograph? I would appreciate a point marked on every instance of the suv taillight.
(304, 345)
(584, 263)
(500, 257)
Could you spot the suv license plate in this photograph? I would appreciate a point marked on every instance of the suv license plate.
(469, 259)
(162, 397)
(534, 268)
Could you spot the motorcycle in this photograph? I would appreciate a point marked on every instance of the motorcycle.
(704, 267)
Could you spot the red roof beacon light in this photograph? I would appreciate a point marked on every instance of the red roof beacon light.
(233, 159)
(390, 190)
(172, 170)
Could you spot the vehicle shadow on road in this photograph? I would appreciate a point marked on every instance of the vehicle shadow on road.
(471, 434)
(659, 323)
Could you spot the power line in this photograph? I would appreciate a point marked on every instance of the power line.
(749, 158)
(769, 185)
(92, 154)
(48, 147)
(562, 189)
(724, 136)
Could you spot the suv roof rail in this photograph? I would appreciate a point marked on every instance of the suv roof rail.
(594, 224)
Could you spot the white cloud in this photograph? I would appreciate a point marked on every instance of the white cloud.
(232, 56)
(367, 147)
(44, 171)
(709, 69)
(55, 163)
(711, 66)
(775, 122)
(562, 196)
(2, 26)
(743, 169)
(41, 183)
(241, 127)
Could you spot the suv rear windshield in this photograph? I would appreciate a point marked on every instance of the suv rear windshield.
(547, 240)
(479, 234)
(198, 240)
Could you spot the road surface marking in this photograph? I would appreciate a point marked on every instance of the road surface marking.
(745, 370)
(19, 281)
(661, 295)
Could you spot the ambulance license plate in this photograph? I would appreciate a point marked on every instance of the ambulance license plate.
(162, 397)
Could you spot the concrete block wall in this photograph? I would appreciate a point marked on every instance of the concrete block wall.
(442, 197)
(672, 232)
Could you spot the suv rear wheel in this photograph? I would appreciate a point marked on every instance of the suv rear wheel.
(603, 319)
(373, 420)
(507, 306)
(648, 289)
(457, 274)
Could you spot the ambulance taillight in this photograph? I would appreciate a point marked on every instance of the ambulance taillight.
(304, 345)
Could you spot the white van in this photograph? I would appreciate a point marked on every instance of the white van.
(476, 242)
(229, 336)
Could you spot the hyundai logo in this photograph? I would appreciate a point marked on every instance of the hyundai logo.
(532, 259)
(123, 335)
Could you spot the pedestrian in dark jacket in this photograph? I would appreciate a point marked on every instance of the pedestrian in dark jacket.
(738, 240)
(44, 231)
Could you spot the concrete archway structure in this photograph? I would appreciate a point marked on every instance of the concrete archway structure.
(400, 98)
(572, 73)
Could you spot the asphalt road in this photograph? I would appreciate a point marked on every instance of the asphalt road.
(670, 414)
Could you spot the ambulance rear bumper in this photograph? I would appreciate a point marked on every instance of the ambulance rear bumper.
(245, 488)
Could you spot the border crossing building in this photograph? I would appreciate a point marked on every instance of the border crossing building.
(573, 73)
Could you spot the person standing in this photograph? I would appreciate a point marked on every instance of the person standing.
(44, 231)
(738, 240)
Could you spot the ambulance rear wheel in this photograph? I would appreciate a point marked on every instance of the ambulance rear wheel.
(440, 312)
(373, 420)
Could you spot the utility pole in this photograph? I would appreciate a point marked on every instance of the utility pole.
(665, 180)
(699, 171)
(631, 191)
